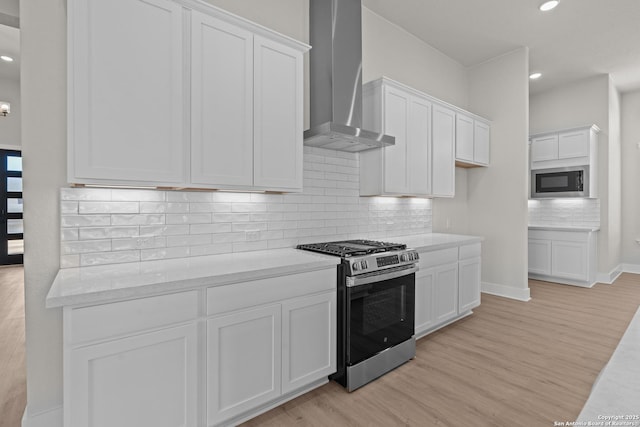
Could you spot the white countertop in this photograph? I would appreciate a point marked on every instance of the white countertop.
(616, 391)
(562, 228)
(98, 284)
(106, 283)
(434, 241)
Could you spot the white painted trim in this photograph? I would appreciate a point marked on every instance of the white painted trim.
(609, 278)
(50, 418)
(11, 147)
(562, 281)
(631, 268)
(506, 291)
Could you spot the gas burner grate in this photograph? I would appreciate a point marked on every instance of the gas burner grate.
(349, 248)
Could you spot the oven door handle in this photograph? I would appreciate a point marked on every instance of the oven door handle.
(365, 279)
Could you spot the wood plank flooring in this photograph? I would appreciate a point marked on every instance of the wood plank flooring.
(510, 364)
(12, 355)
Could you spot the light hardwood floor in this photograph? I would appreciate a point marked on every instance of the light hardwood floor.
(510, 364)
(12, 354)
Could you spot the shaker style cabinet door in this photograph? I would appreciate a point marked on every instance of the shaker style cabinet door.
(125, 92)
(159, 370)
(396, 115)
(308, 340)
(221, 102)
(446, 292)
(443, 148)
(464, 137)
(425, 310)
(544, 148)
(244, 354)
(540, 256)
(468, 284)
(573, 144)
(278, 122)
(419, 147)
(481, 142)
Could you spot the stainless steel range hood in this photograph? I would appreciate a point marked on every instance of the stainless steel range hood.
(335, 33)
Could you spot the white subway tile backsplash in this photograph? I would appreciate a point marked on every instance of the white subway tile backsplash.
(565, 212)
(106, 226)
(140, 219)
(91, 207)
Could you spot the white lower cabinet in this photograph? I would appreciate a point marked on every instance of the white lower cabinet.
(222, 354)
(447, 286)
(141, 378)
(244, 354)
(568, 257)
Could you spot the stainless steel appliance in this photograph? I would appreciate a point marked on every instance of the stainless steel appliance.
(560, 182)
(335, 76)
(376, 307)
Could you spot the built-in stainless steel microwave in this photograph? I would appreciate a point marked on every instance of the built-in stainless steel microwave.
(560, 182)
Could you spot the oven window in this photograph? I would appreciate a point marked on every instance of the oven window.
(558, 181)
(381, 315)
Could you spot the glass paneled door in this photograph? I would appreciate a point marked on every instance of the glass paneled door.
(11, 223)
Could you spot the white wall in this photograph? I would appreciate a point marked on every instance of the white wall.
(10, 125)
(614, 185)
(630, 112)
(43, 90)
(389, 50)
(588, 102)
(497, 195)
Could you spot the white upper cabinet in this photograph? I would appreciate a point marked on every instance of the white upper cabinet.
(278, 97)
(403, 169)
(221, 102)
(126, 92)
(130, 124)
(472, 141)
(565, 148)
(443, 141)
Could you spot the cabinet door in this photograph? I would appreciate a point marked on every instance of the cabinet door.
(573, 144)
(569, 260)
(468, 284)
(149, 379)
(308, 340)
(278, 110)
(425, 314)
(419, 147)
(396, 116)
(445, 293)
(125, 92)
(443, 148)
(464, 138)
(243, 361)
(221, 103)
(540, 256)
(481, 142)
(544, 148)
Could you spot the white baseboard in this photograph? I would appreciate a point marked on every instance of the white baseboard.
(49, 418)
(609, 278)
(506, 291)
(631, 268)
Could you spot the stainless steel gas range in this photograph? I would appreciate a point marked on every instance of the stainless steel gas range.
(376, 307)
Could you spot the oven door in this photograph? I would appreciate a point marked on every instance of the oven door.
(380, 312)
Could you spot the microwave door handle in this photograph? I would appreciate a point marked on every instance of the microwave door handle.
(365, 279)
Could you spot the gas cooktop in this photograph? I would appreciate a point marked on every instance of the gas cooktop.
(349, 248)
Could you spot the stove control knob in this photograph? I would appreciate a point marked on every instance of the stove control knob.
(416, 256)
(364, 264)
(404, 257)
(356, 266)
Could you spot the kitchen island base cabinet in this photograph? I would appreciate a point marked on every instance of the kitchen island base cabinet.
(447, 287)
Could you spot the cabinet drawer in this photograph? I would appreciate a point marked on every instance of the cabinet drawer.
(120, 318)
(435, 258)
(470, 251)
(222, 299)
(569, 236)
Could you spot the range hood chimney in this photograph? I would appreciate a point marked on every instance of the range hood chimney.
(335, 33)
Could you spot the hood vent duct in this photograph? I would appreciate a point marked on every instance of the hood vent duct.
(335, 33)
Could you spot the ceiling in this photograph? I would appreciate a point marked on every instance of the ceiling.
(578, 39)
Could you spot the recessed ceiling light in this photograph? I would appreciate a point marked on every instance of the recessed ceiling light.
(534, 76)
(6, 58)
(548, 5)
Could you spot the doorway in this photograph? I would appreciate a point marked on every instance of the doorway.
(11, 208)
